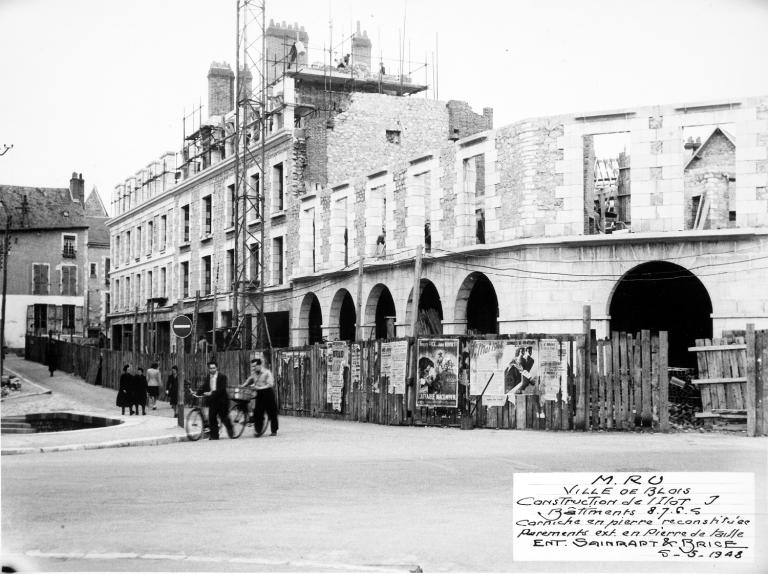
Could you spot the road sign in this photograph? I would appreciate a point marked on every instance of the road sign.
(181, 326)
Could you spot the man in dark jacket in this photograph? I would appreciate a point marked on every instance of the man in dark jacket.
(51, 356)
(215, 388)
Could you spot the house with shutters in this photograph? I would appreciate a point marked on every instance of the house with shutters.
(58, 261)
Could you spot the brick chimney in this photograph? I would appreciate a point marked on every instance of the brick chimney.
(221, 87)
(77, 188)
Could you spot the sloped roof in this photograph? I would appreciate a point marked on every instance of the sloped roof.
(94, 207)
(46, 207)
(98, 234)
(698, 151)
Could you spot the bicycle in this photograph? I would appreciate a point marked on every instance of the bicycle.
(197, 424)
(240, 413)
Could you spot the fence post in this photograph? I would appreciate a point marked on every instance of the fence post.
(750, 379)
(663, 381)
(583, 377)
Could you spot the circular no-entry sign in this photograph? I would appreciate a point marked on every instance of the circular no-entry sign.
(181, 326)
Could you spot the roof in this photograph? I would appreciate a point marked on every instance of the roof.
(46, 207)
(94, 207)
(97, 230)
(698, 151)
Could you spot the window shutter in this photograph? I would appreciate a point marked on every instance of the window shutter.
(30, 318)
(73, 280)
(78, 320)
(36, 279)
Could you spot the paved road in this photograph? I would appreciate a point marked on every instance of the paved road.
(323, 495)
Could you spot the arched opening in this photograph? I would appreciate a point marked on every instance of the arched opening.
(343, 311)
(662, 296)
(385, 315)
(311, 317)
(478, 305)
(430, 319)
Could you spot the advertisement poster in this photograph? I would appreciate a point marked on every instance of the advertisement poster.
(354, 361)
(337, 360)
(437, 376)
(486, 360)
(386, 360)
(550, 369)
(521, 370)
(399, 366)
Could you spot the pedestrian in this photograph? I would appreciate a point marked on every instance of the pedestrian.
(172, 388)
(51, 356)
(215, 388)
(124, 390)
(154, 380)
(140, 391)
(262, 380)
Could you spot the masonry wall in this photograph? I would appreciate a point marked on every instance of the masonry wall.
(709, 172)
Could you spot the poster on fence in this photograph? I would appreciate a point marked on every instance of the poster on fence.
(386, 360)
(398, 351)
(296, 356)
(354, 361)
(486, 372)
(337, 360)
(550, 369)
(437, 374)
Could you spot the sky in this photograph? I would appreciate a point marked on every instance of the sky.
(100, 87)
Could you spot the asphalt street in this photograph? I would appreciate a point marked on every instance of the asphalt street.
(325, 496)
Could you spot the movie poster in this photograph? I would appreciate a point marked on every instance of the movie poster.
(521, 367)
(394, 358)
(551, 369)
(437, 374)
(486, 373)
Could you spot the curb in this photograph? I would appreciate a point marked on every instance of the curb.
(95, 446)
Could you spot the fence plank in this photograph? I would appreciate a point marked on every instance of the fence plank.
(646, 416)
(722, 395)
(624, 375)
(663, 381)
(750, 402)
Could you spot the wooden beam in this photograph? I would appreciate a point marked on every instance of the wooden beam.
(733, 347)
(750, 398)
(663, 381)
(719, 380)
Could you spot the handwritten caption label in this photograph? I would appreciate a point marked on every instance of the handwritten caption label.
(680, 516)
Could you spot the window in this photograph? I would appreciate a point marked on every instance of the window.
(41, 318)
(40, 282)
(254, 195)
(69, 246)
(128, 245)
(106, 270)
(117, 253)
(277, 261)
(163, 231)
(480, 225)
(185, 225)
(150, 237)
(206, 275)
(474, 175)
(232, 205)
(93, 271)
(185, 279)
(278, 202)
(138, 242)
(255, 263)
(128, 294)
(68, 317)
(69, 280)
(230, 269)
(137, 287)
(117, 293)
(163, 279)
(393, 136)
(207, 205)
(149, 285)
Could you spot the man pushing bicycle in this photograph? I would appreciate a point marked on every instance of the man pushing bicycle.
(262, 380)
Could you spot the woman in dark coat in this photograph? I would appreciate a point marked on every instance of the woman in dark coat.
(125, 390)
(172, 388)
(140, 391)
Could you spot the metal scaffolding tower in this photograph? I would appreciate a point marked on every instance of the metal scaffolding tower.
(250, 129)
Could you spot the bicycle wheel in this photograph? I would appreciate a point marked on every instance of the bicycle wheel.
(193, 425)
(264, 422)
(238, 415)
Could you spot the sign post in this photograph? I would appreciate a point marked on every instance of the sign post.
(181, 326)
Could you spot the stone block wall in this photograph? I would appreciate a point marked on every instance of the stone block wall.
(463, 122)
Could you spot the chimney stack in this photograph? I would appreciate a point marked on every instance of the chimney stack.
(77, 188)
(221, 86)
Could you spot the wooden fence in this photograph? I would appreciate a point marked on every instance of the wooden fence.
(623, 385)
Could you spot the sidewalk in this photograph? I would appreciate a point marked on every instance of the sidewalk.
(42, 393)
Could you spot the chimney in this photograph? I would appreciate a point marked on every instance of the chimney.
(488, 115)
(77, 188)
(221, 82)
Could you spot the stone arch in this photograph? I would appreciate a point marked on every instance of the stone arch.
(430, 310)
(343, 317)
(311, 318)
(380, 312)
(663, 296)
(478, 304)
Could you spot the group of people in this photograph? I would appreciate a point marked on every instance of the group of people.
(215, 392)
(139, 390)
